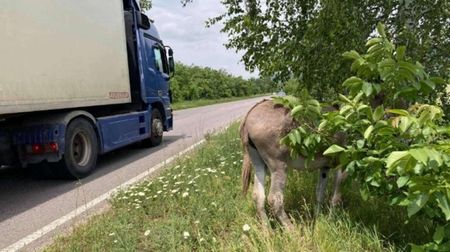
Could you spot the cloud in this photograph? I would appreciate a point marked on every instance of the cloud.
(184, 29)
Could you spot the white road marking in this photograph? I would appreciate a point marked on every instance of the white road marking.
(80, 210)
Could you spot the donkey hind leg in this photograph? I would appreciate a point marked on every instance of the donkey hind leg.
(259, 195)
(337, 194)
(276, 198)
(321, 187)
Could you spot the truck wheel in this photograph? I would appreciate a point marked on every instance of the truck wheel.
(81, 150)
(156, 130)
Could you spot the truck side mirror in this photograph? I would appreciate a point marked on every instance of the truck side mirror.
(171, 62)
(143, 21)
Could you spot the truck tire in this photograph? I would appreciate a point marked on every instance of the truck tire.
(81, 151)
(157, 129)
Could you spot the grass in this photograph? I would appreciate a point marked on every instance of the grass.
(205, 102)
(197, 205)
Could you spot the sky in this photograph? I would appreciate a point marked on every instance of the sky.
(183, 28)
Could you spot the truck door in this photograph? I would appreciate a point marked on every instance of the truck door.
(157, 74)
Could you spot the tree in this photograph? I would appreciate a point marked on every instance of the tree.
(147, 4)
(400, 154)
(194, 82)
(303, 39)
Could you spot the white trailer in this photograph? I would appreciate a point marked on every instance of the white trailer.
(62, 54)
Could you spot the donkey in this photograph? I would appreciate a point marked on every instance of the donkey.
(261, 130)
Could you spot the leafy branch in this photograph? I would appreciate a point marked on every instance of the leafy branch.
(396, 147)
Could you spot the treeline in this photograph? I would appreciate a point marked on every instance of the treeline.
(193, 82)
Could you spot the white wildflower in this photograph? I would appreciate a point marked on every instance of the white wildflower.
(147, 232)
(186, 235)
(115, 241)
(159, 192)
(201, 239)
(197, 222)
(141, 194)
(246, 228)
(185, 194)
(175, 190)
(214, 204)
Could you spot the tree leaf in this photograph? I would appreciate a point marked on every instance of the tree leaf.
(438, 235)
(415, 248)
(373, 41)
(368, 132)
(402, 181)
(400, 53)
(296, 109)
(380, 29)
(378, 113)
(398, 112)
(444, 205)
(420, 155)
(345, 99)
(395, 156)
(367, 88)
(417, 204)
(351, 55)
(333, 149)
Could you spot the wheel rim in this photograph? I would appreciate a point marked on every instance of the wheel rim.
(158, 128)
(81, 149)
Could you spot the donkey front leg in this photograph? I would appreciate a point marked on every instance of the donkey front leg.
(337, 195)
(321, 187)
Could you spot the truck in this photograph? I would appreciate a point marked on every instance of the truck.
(79, 79)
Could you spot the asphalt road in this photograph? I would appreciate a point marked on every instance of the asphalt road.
(27, 203)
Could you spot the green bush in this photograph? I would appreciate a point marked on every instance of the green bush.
(193, 83)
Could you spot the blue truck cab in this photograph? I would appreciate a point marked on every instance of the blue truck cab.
(66, 142)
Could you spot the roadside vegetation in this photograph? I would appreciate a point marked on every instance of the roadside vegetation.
(205, 102)
(195, 85)
(196, 205)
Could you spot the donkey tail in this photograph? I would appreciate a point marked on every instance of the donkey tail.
(246, 163)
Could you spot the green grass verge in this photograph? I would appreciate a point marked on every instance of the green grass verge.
(197, 205)
(205, 102)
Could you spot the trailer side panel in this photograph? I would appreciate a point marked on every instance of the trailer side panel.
(62, 54)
